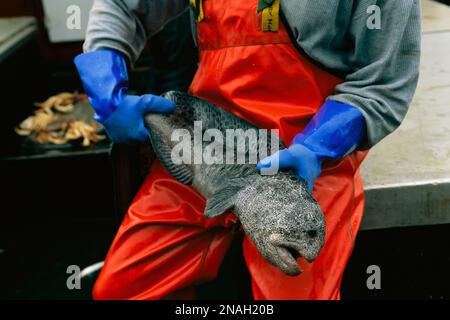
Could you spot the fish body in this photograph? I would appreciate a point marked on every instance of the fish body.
(277, 211)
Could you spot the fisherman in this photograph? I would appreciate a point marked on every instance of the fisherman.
(317, 70)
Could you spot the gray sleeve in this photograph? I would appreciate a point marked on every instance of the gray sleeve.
(384, 64)
(125, 25)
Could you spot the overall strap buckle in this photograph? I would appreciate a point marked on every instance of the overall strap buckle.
(197, 5)
(270, 14)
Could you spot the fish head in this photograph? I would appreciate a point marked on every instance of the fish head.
(283, 220)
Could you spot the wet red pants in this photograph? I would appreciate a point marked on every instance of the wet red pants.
(165, 245)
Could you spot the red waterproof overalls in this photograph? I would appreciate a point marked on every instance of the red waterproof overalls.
(165, 245)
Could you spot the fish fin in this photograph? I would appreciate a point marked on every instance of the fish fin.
(221, 201)
(181, 172)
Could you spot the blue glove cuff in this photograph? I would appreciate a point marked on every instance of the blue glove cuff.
(334, 132)
(105, 80)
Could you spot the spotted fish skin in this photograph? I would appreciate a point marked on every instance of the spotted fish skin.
(277, 212)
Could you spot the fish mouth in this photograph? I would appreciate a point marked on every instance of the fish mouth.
(288, 254)
(288, 261)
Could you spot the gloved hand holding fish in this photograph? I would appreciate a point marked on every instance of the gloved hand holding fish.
(277, 211)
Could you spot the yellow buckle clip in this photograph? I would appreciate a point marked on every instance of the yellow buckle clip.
(198, 8)
(270, 15)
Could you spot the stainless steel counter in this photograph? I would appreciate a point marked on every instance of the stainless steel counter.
(15, 32)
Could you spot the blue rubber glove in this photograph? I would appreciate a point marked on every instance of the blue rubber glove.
(105, 80)
(334, 132)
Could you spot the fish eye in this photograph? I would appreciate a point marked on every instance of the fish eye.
(311, 233)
